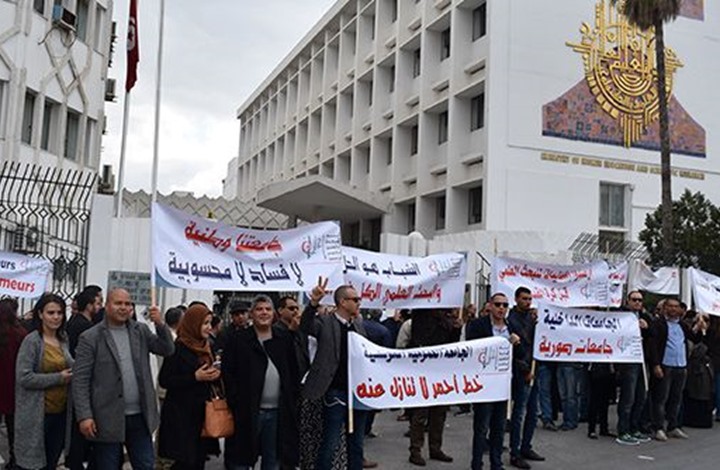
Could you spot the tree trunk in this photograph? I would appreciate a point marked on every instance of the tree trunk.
(665, 167)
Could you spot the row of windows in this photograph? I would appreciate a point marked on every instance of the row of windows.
(474, 210)
(479, 30)
(50, 131)
(82, 18)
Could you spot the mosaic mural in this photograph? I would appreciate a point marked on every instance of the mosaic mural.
(617, 102)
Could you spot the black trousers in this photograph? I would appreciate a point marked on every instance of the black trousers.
(10, 425)
(600, 390)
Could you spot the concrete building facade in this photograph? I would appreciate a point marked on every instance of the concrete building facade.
(460, 117)
(54, 57)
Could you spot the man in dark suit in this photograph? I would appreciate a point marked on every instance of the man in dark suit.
(289, 320)
(328, 375)
(115, 401)
(491, 416)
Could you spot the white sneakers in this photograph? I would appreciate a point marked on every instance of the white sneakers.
(678, 433)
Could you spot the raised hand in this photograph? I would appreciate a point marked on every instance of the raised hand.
(319, 291)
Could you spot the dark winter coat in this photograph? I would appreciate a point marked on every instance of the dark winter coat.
(658, 340)
(8, 356)
(700, 374)
(183, 410)
(244, 364)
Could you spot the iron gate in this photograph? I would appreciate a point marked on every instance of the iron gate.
(45, 213)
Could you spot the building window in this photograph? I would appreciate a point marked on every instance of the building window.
(612, 205)
(39, 6)
(440, 213)
(81, 19)
(416, 63)
(391, 71)
(99, 26)
(479, 21)
(389, 150)
(477, 112)
(411, 217)
(442, 127)
(3, 100)
(445, 44)
(28, 118)
(370, 93)
(611, 242)
(475, 205)
(72, 128)
(393, 10)
(90, 129)
(414, 140)
(49, 126)
(371, 19)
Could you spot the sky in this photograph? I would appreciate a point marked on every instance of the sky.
(215, 53)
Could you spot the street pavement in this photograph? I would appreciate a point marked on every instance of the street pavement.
(564, 450)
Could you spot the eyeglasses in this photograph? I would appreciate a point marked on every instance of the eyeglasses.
(636, 299)
(354, 299)
(501, 304)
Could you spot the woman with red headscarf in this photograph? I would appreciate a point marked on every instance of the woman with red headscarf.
(186, 376)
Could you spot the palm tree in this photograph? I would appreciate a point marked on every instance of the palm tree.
(646, 14)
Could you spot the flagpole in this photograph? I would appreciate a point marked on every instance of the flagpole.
(156, 139)
(123, 148)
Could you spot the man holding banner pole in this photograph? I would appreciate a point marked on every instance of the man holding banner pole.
(328, 375)
(490, 417)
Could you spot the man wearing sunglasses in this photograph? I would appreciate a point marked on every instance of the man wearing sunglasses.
(632, 382)
(490, 417)
(328, 375)
(289, 319)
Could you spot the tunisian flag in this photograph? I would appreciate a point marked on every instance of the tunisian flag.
(133, 47)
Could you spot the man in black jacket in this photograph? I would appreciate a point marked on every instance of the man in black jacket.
(491, 416)
(523, 419)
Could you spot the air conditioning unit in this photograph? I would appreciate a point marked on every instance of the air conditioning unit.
(63, 18)
(24, 240)
(110, 90)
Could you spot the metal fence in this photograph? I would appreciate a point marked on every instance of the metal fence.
(45, 213)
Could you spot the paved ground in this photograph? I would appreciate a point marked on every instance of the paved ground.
(564, 450)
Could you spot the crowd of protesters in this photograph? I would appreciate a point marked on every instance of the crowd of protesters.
(81, 390)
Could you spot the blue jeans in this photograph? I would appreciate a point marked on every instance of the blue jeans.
(335, 414)
(267, 435)
(488, 417)
(632, 398)
(544, 377)
(567, 376)
(54, 427)
(524, 416)
(138, 442)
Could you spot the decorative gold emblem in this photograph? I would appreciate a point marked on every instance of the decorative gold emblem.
(620, 69)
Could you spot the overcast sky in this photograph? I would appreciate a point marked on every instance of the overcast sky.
(216, 52)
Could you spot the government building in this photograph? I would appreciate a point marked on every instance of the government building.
(513, 126)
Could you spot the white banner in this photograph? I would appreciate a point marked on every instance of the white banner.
(576, 335)
(23, 276)
(468, 372)
(706, 291)
(664, 281)
(192, 252)
(580, 285)
(395, 281)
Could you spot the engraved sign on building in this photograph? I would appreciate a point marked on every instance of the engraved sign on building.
(137, 284)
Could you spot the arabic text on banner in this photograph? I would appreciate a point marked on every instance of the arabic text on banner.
(705, 291)
(192, 252)
(580, 285)
(578, 335)
(22, 276)
(467, 372)
(394, 281)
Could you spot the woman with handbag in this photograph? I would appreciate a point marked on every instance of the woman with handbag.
(189, 377)
(260, 368)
